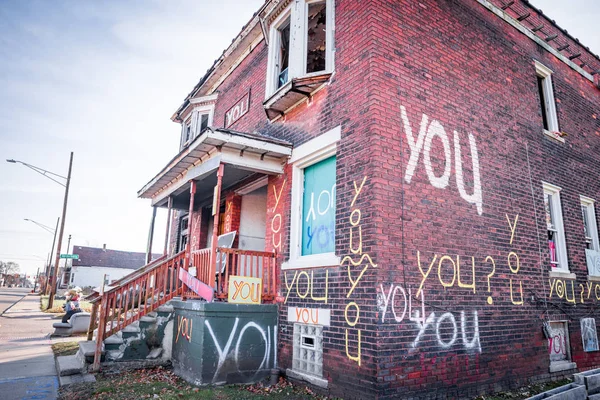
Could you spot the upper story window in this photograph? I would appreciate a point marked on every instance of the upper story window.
(589, 223)
(556, 235)
(547, 102)
(282, 61)
(300, 42)
(196, 123)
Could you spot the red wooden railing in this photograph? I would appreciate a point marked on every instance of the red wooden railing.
(135, 296)
(257, 264)
(146, 289)
(201, 260)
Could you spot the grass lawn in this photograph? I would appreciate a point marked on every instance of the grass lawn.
(57, 306)
(65, 348)
(162, 383)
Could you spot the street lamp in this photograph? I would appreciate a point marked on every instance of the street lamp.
(50, 176)
(48, 265)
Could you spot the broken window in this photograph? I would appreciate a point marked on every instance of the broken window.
(316, 37)
(284, 53)
(547, 103)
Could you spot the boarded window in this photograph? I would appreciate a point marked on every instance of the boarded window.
(316, 34)
(318, 208)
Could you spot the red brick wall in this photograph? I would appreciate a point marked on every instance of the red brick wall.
(459, 65)
(454, 69)
(342, 102)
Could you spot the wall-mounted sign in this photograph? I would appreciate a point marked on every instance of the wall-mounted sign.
(196, 286)
(238, 110)
(314, 316)
(244, 290)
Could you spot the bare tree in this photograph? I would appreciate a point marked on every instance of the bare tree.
(9, 268)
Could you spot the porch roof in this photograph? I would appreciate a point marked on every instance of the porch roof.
(252, 152)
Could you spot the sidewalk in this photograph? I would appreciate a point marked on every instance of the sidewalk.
(27, 368)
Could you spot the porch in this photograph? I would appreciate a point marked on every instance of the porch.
(215, 193)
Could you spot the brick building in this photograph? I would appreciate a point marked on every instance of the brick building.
(423, 171)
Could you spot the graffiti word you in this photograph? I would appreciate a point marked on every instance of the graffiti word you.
(572, 292)
(352, 310)
(237, 111)
(557, 342)
(244, 290)
(184, 328)
(303, 290)
(227, 351)
(448, 268)
(276, 221)
(444, 326)
(423, 143)
(315, 316)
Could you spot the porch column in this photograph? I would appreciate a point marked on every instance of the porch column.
(233, 212)
(188, 247)
(216, 209)
(150, 237)
(170, 209)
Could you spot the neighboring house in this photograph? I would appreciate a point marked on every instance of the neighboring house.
(95, 264)
(426, 174)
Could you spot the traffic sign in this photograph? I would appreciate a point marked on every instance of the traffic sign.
(70, 256)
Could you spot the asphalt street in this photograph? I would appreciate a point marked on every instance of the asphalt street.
(9, 296)
(27, 369)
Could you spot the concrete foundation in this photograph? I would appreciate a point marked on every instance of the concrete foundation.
(219, 343)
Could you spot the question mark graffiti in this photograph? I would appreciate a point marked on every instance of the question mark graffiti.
(489, 299)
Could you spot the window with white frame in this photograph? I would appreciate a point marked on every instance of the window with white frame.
(196, 123)
(300, 42)
(589, 223)
(546, 94)
(312, 235)
(556, 235)
(184, 231)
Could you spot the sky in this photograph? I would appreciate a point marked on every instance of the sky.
(102, 79)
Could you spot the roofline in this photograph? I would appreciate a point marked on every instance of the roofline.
(244, 32)
(564, 31)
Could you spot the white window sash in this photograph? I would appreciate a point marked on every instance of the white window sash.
(590, 213)
(557, 220)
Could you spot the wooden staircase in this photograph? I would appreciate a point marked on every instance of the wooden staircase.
(143, 291)
(134, 296)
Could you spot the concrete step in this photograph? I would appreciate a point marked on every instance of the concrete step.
(165, 308)
(154, 353)
(113, 342)
(75, 379)
(147, 321)
(69, 365)
(132, 330)
(87, 350)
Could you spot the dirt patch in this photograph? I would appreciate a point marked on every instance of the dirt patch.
(162, 383)
(65, 348)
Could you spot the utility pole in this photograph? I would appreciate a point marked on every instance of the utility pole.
(60, 236)
(49, 267)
